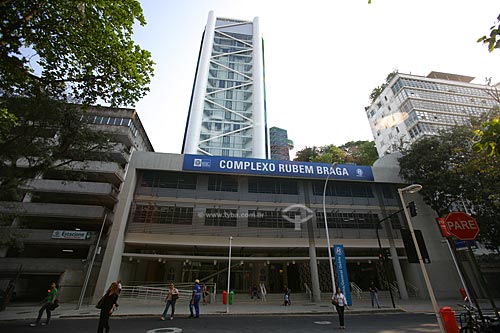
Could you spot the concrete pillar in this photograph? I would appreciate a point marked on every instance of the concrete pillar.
(313, 262)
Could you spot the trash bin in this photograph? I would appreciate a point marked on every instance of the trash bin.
(224, 297)
(450, 322)
(231, 297)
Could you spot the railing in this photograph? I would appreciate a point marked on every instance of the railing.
(395, 288)
(412, 290)
(308, 292)
(356, 290)
(159, 291)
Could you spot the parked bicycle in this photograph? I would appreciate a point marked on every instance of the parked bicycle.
(471, 322)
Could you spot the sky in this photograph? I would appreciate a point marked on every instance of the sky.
(323, 58)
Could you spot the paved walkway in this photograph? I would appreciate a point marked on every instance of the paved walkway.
(134, 307)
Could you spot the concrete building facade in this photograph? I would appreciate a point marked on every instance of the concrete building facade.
(227, 115)
(176, 213)
(67, 209)
(412, 107)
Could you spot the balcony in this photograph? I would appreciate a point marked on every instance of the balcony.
(47, 210)
(120, 134)
(73, 192)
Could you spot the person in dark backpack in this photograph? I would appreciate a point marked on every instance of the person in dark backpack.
(107, 306)
(48, 306)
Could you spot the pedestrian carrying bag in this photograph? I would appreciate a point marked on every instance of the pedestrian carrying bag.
(175, 296)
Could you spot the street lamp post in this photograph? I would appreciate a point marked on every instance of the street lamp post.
(413, 189)
(326, 227)
(229, 273)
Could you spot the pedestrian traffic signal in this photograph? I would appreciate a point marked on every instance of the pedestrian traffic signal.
(381, 256)
(412, 208)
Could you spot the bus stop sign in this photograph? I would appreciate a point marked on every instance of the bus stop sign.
(462, 225)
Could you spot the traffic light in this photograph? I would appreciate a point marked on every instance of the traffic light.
(412, 208)
(380, 256)
(387, 254)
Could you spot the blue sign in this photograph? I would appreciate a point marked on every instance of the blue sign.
(343, 279)
(254, 166)
(462, 244)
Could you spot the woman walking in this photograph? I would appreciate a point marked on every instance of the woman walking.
(172, 296)
(340, 302)
(108, 305)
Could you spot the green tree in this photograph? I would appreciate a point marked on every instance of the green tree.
(357, 152)
(451, 173)
(306, 154)
(56, 59)
(493, 40)
(78, 50)
(360, 152)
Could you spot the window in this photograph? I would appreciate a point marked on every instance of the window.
(150, 213)
(221, 217)
(343, 189)
(387, 191)
(347, 220)
(169, 180)
(223, 183)
(270, 219)
(270, 185)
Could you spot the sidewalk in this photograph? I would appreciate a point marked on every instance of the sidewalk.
(134, 307)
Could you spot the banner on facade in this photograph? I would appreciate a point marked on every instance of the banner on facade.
(343, 279)
(254, 166)
(70, 234)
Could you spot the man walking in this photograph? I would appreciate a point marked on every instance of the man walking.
(374, 294)
(195, 300)
(48, 306)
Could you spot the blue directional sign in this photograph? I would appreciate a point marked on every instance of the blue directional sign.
(343, 279)
(254, 166)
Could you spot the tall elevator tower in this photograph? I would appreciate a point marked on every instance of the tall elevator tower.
(227, 112)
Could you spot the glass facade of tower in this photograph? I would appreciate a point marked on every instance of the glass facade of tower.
(226, 124)
(227, 114)
(280, 144)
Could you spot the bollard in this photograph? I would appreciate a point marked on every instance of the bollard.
(231, 297)
(450, 323)
(224, 297)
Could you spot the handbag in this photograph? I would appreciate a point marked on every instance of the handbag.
(54, 305)
(99, 303)
(175, 297)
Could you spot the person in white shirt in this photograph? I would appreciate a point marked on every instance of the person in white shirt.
(340, 302)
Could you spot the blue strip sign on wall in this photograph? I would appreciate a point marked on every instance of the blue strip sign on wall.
(343, 280)
(254, 166)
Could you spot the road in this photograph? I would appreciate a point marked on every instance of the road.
(365, 323)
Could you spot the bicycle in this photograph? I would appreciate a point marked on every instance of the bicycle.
(472, 323)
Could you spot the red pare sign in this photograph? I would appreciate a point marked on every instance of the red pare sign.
(462, 225)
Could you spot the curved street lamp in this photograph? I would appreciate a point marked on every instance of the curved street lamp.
(334, 164)
(413, 189)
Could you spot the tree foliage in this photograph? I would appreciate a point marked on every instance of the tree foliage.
(79, 50)
(378, 90)
(56, 59)
(452, 173)
(353, 152)
(493, 39)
